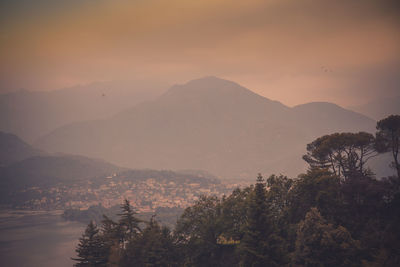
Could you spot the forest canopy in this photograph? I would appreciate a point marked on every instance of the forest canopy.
(336, 214)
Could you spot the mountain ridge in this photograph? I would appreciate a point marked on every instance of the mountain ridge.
(30, 114)
(210, 124)
(14, 149)
(379, 108)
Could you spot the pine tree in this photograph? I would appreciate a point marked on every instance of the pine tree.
(260, 245)
(111, 238)
(91, 250)
(388, 136)
(129, 224)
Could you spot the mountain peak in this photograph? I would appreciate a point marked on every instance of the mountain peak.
(14, 149)
(211, 92)
(210, 79)
(207, 86)
(317, 105)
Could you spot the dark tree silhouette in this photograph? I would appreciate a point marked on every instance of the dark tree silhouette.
(260, 245)
(345, 154)
(198, 231)
(388, 136)
(153, 247)
(319, 243)
(129, 224)
(91, 249)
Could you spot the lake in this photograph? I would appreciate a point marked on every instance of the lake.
(37, 238)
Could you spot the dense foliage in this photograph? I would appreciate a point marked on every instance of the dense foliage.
(336, 214)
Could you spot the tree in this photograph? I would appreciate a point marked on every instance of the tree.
(319, 243)
(277, 195)
(198, 231)
(260, 246)
(234, 213)
(364, 201)
(112, 237)
(129, 224)
(91, 250)
(317, 188)
(279, 202)
(153, 247)
(388, 136)
(344, 154)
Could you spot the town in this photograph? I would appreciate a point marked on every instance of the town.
(145, 194)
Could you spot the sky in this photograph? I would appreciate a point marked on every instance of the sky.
(294, 51)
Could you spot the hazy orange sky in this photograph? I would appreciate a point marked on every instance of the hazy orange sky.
(343, 51)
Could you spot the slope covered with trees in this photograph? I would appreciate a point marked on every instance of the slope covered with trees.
(336, 214)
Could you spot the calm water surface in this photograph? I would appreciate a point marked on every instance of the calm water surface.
(32, 238)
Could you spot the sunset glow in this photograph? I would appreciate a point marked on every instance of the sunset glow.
(292, 51)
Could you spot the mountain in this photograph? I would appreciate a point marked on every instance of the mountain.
(24, 166)
(380, 108)
(50, 170)
(30, 114)
(209, 124)
(319, 118)
(58, 181)
(13, 149)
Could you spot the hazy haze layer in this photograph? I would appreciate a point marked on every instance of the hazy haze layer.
(209, 124)
(346, 52)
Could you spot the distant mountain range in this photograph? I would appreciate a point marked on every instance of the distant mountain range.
(23, 166)
(33, 179)
(30, 114)
(50, 170)
(380, 108)
(13, 149)
(209, 124)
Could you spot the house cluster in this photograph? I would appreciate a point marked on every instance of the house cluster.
(145, 195)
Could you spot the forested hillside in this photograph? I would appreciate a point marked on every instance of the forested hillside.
(336, 214)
